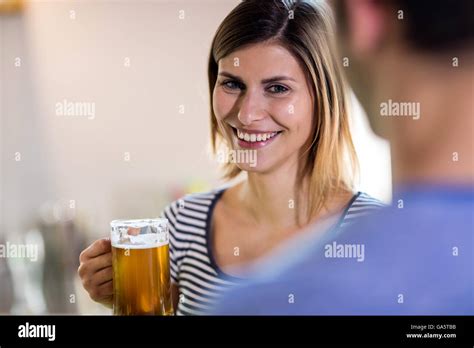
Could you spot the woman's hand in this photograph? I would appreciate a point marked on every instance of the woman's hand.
(95, 270)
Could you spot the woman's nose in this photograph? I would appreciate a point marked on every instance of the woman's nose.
(251, 109)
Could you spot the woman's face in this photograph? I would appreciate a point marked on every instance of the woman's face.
(261, 96)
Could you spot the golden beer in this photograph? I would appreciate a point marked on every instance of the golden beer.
(141, 269)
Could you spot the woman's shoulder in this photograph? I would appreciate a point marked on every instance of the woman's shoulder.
(364, 199)
(193, 208)
(362, 204)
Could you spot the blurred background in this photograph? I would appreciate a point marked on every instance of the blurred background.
(139, 140)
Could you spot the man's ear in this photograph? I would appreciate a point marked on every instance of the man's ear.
(367, 24)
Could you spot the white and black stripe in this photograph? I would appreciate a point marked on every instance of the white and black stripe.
(193, 267)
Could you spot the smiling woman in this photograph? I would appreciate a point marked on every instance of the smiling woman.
(273, 69)
(275, 89)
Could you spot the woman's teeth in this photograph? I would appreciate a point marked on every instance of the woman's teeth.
(253, 137)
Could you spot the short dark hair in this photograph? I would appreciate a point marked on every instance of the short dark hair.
(437, 25)
(428, 25)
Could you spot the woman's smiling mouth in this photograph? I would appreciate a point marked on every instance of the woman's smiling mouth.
(252, 139)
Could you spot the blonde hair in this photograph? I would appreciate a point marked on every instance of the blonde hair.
(305, 28)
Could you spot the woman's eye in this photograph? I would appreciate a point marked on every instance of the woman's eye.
(277, 89)
(229, 84)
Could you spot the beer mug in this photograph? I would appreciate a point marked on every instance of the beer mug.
(141, 268)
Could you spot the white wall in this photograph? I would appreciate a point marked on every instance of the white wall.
(137, 107)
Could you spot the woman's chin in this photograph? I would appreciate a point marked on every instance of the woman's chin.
(246, 167)
(257, 167)
(252, 160)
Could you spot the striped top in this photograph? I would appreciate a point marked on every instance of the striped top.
(193, 268)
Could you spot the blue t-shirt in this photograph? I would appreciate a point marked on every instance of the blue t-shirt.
(413, 258)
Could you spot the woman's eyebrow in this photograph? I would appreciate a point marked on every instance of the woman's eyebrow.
(278, 78)
(224, 73)
(271, 79)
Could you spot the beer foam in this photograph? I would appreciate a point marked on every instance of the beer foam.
(140, 241)
(139, 234)
(139, 223)
(132, 246)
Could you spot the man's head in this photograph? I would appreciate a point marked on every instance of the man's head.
(391, 43)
